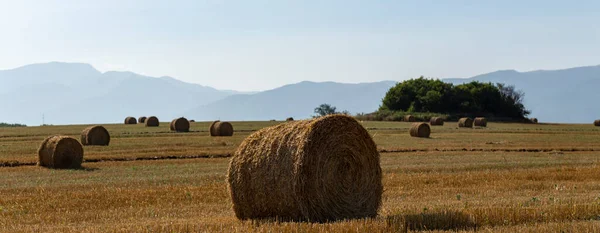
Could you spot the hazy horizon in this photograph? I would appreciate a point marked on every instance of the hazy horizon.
(261, 45)
(317, 81)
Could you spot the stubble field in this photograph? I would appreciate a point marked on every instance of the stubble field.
(503, 178)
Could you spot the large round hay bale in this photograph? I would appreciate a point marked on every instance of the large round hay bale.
(480, 121)
(421, 130)
(534, 120)
(315, 170)
(221, 128)
(142, 119)
(152, 122)
(95, 136)
(60, 152)
(130, 121)
(409, 118)
(180, 125)
(436, 121)
(465, 122)
(289, 119)
(192, 121)
(597, 122)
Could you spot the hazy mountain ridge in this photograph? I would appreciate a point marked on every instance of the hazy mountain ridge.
(295, 100)
(75, 93)
(566, 95)
(552, 96)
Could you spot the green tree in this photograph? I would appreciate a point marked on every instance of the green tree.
(473, 98)
(418, 95)
(324, 110)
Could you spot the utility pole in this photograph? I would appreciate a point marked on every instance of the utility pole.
(43, 120)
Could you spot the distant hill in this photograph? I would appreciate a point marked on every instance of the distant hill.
(295, 100)
(568, 95)
(74, 93)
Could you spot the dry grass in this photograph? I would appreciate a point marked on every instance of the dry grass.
(547, 191)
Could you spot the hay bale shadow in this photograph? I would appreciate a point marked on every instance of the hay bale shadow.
(82, 168)
(87, 169)
(258, 222)
(444, 221)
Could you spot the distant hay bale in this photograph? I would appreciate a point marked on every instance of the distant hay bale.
(436, 121)
(597, 122)
(60, 152)
(95, 136)
(180, 125)
(534, 120)
(192, 121)
(409, 118)
(421, 130)
(316, 170)
(480, 121)
(130, 121)
(171, 125)
(152, 122)
(465, 122)
(221, 128)
(289, 119)
(142, 119)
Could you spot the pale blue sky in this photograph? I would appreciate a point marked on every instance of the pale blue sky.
(262, 44)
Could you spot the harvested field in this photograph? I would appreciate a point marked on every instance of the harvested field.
(503, 178)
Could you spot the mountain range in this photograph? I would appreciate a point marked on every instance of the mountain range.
(566, 95)
(76, 93)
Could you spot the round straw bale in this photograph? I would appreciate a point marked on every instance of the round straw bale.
(180, 125)
(534, 120)
(421, 130)
(436, 121)
(465, 122)
(142, 119)
(152, 122)
(409, 118)
(192, 121)
(60, 152)
(314, 170)
(480, 121)
(221, 128)
(597, 122)
(130, 120)
(289, 119)
(171, 125)
(212, 130)
(95, 136)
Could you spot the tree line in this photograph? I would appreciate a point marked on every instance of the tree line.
(469, 99)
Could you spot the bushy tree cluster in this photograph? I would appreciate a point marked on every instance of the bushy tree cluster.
(3, 124)
(327, 109)
(474, 98)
